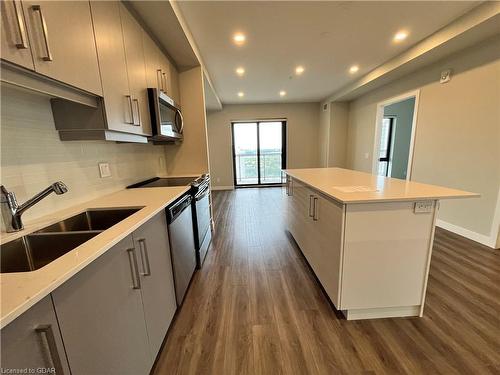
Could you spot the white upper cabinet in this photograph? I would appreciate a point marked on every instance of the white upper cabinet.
(15, 45)
(118, 102)
(62, 42)
(152, 55)
(136, 68)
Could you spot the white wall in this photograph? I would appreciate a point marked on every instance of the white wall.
(457, 135)
(302, 135)
(190, 157)
(337, 140)
(32, 157)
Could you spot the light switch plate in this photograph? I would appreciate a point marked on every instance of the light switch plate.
(104, 170)
(423, 207)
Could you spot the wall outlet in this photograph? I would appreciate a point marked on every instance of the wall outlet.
(366, 155)
(423, 207)
(104, 170)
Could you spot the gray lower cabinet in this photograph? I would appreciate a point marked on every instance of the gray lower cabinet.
(33, 341)
(112, 316)
(157, 282)
(101, 316)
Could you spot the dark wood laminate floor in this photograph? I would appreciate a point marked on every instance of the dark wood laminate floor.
(255, 308)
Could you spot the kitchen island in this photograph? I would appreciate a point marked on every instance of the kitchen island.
(367, 238)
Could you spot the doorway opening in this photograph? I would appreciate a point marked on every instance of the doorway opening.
(259, 152)
(395, 136)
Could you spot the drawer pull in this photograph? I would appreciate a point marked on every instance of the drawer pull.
(131, 108)
(159, 80)
(164, 83)
(311, 211)
(134, 269)
(138, 112)
(48, 56)
(20, 26)
(315, 209)
(146, 266)
(47, 335)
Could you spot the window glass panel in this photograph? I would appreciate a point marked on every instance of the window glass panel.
(245, 153)
(270, 134)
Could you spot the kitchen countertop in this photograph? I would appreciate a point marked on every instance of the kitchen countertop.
(348, 186)
(21, 290)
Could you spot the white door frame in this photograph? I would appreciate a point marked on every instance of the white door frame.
(378, 128)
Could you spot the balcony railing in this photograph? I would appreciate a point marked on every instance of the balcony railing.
(270, 168)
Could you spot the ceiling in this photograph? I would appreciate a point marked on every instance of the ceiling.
(324, 37)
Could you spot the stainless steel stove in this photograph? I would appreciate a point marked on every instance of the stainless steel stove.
(165, 182)
(189, 222)
(200, 194)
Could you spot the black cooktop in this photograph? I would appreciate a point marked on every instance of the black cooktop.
(164, 182)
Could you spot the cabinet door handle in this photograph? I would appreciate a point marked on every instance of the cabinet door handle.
(47, 334)
(164, 75)
(131, 109)
(159, 81)
(20, 26)
(291, 186)
(138, 112)
(48, 56)
(134, 269)
(315, 208)
(311, 212)
(287, 186)
(143, 248)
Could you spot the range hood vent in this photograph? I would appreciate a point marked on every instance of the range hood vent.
(78, 115)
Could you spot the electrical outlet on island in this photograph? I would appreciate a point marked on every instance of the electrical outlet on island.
(104, 170)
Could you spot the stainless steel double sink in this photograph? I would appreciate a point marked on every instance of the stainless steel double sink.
(38, 249)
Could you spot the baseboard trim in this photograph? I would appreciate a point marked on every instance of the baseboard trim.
(215, 188)
(383, 312)
(474, 236)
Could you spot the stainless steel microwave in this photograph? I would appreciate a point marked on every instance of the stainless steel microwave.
(166, 118)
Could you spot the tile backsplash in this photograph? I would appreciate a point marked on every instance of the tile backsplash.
(32, 157)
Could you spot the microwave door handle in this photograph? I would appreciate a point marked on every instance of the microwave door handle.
(178, 113)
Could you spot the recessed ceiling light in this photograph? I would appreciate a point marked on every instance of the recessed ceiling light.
(241, 94)
(240, 71)
(282, 93)
(400, 36)
(239, 38)
(299, 70)
(353, 69)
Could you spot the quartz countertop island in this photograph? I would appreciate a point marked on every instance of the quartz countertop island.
(367, 238)
(348, 186)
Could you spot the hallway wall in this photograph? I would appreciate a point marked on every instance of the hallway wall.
(457, 141)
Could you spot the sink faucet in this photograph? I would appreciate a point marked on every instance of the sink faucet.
(12, 211)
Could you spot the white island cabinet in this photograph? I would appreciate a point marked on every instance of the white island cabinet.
(367, 238)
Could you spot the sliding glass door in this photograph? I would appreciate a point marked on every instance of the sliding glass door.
(259, 152)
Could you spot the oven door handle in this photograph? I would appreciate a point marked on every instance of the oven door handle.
(202, 195)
